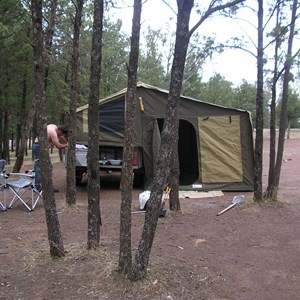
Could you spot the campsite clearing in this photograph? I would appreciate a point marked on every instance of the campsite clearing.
(249, 252)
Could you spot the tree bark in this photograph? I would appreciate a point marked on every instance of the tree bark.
(94, 217)
(6, 153)
(125, 257)
(21, 144)
(168, 141)
(276, 75)
(259, 109)
(71, 157)
(284, 103)
(174, 202)
(49, 37)
(288, 129)
(54, 233)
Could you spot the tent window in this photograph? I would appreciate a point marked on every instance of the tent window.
(187, 151)
(220, 153)
(111, 116)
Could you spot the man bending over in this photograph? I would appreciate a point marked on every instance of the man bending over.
(56, 136)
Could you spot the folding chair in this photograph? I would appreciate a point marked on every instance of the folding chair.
(23, 188)
(2, 185)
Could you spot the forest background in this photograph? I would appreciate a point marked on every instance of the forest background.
(16, 64)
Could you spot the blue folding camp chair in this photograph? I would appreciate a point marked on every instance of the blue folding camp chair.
(22, 187)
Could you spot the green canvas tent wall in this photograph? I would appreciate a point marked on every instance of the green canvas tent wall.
(215, 143)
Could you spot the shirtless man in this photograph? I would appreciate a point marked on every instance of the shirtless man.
(56, 136)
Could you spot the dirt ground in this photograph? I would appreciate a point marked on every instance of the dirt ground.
(249, 252)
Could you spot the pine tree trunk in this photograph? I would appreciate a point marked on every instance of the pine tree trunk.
(259, 110)
(54, 233)
(94, 217)
(168, 141)
(174, 202)
(49, 37)
(125, 257)
(284, 102)
(22, 135)
(6, 153)
(288, 129)
(71, 157)
(272, 154)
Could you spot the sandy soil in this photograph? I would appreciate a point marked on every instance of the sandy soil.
(249, 252)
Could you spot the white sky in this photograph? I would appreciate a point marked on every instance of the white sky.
(234, 65)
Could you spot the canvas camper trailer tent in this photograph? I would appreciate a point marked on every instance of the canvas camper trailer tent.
(215, 143)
